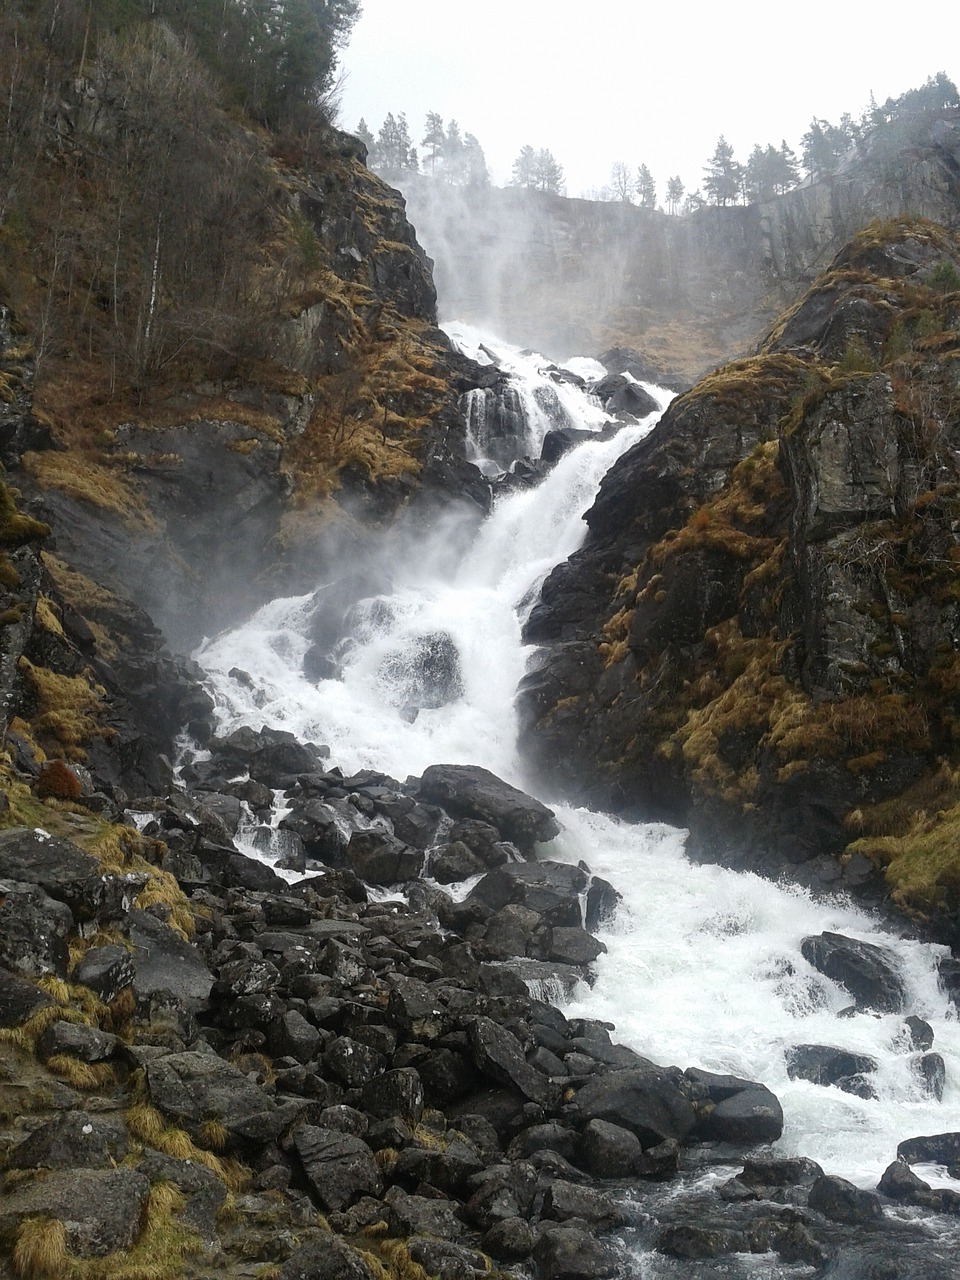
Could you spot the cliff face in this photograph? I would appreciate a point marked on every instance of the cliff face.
(576, 276)
(758, 638)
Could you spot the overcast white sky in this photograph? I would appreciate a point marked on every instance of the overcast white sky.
(602, 80)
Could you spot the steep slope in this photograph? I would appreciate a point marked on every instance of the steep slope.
(759, 636)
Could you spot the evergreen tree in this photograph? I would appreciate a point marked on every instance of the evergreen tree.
(723, 175)
(395, 150)
(474, 167)
(549, 172)
(646, 187)
(524, 169)
(674, 193)
(787, 171)
(435, 138)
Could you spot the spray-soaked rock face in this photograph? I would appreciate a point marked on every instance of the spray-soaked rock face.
(425, 674)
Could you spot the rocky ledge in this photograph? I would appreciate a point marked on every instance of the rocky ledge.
(758, 639)
(206, 1065)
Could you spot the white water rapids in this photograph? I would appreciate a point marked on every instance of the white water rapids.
(703, 966)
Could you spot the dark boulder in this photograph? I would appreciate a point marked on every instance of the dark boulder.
(570, 1253)
(192, 1087)
(426, 674)
(19, 999)
(468, 791)
(499, 1055)
(936, 1148)
(33, 930)
(551, 890)
(650, 1102)
(325, 1257)
(841, 1201)
(379, 858)
(339, 1166)
(608, 1150)
(867, 971)
(73, 1139)
(824, 1064)
(106, 971)
(101, 1210)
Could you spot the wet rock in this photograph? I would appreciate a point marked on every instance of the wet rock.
(339, 1166)
(318, 826)
(933, 1072)
(750, 1116)
(450, 863)
(824, 1064)
(608, 1150)
(66, 874)
(379, 858)
(936, 1148)
(101, 1210)
(468, 791)
(649, 1102)
(841, 1201)
(426, 674)
(352, 1062)
(899, 1182)
(549, 889)
(683, 1240)
(293, 1036)
(867, 971)
(568, 1253)
(572, 946)
(920, 1032)
(203, 1192)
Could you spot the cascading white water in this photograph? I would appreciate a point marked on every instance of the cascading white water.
(703, 965)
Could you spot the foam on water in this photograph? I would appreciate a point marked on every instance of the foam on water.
(703, 966)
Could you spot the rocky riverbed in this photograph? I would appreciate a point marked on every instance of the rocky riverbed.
(210, 1064)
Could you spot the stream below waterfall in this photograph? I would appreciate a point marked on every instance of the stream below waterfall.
(703, 965)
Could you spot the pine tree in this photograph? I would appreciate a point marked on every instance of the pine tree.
(723, 175)
(474, 167)
(674, 193)
(524, 169)
(435, 138)
(646, 187)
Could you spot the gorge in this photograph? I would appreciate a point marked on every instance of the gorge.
(295, 982)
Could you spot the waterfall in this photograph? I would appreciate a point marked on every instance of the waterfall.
(703, 966)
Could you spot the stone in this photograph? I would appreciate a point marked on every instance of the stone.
(339, 1166)
(840, 1201)
(65, 873)
(454, 861)
(920, 1032)
(106, 971)
(936, 1148)
(551, 890)
(824, 1064)
(76, 1040)
(867, 971)
(564, 1200)
(423, 1216)
(899, 1182)
(19, 999)
(569, 1253)
(164, 962)
(468, 791)
(325, 1257)
(933, 1072)
(191, 1088)
(750, 1116)
(379, 858)
(509, 1240)
(351, 1062)
(33, 930)
(649, 1102)
(394, 1093)
(608, 1150)
(101, 1210)
(498, 1054)
(74, 1139)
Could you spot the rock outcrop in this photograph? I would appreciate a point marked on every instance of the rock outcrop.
(758, 638)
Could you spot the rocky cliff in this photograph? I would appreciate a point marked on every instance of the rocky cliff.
(758, 638)
(576, 276)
